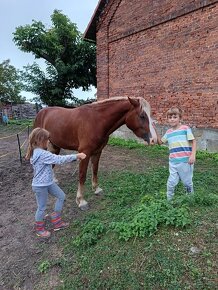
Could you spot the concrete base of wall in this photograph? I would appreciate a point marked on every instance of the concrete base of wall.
(207, 139)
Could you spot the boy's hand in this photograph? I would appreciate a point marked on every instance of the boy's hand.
(81, 156)
(158, 140)
(152, 141)
(191, 159)
(193, 154)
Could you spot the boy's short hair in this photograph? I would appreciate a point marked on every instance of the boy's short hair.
(174, 111)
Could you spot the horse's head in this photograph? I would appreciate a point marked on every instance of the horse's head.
(138, 119)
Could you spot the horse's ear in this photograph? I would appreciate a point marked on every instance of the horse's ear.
(134, 102)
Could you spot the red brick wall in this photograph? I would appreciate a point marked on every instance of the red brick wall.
(165, 51)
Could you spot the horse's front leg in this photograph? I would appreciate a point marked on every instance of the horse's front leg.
(83, 205)
(95, 162)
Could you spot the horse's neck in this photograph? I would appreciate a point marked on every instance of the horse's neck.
(113, 116)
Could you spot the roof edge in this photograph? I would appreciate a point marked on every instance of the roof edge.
(90, 32)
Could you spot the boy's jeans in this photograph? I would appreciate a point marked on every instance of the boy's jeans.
(179, 171)
(41, 193)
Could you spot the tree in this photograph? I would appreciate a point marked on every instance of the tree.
(10, 84)
(70, 61)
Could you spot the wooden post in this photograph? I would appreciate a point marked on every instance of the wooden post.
(18, 140)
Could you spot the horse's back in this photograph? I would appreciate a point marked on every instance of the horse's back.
(66, 126)
(50, 115)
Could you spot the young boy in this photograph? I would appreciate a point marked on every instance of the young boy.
(182, 151)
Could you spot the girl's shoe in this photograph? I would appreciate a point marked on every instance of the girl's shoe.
(43, 234)
(62, 225)
(40, 230)
(57, 221)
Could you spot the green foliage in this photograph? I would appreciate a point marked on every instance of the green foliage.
(130, 143)
(10, 84)
(91, 233)
(149, 211)
(16, 126)
(21, 122)
(202, 155)
(44, 266)
(145, 219)
(206, 200)
(133, 144)
(70, 61)
(141, 147)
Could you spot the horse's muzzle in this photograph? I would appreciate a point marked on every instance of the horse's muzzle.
(147, 138)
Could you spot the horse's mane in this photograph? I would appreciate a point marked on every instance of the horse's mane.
(144, 105)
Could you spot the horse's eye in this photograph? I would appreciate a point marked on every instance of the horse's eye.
(142, 116)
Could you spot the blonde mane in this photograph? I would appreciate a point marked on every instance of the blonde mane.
(144, 105)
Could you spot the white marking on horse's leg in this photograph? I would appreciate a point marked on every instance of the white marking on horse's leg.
(82, 204)
(98, 190)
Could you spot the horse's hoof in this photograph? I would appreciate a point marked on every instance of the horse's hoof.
(99, 191)
(84, 207)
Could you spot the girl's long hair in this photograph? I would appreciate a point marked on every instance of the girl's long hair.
(37, 139)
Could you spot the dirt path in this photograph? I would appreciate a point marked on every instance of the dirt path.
(21, 251)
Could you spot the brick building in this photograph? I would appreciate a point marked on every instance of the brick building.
(165, 51)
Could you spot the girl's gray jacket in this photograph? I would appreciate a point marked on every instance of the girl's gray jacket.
(42, 161)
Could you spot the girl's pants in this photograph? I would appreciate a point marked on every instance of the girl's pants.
(179, 171)
(41, 193)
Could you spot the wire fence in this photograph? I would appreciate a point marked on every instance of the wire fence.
(14, 144)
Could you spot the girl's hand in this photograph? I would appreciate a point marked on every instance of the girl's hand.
(81, 156)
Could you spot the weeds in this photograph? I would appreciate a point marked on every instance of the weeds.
(91, 233)
(44, 266)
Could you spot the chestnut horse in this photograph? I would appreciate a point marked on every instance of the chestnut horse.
(88, 127)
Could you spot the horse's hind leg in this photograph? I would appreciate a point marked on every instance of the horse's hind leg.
(53, 148)
(95, 163)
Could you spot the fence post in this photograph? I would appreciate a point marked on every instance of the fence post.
(18, 140)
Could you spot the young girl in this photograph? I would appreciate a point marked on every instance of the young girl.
(43, 180)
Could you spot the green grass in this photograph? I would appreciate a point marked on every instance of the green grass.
(133, 239)
(141, 148)
(15, 126)
(147, 249)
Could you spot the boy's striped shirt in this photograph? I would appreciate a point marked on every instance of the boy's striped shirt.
(179, 145)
